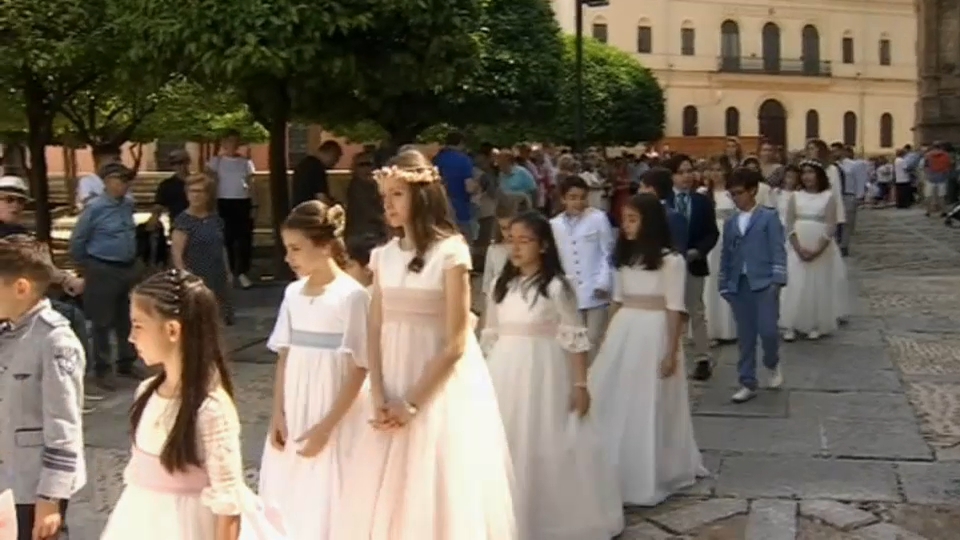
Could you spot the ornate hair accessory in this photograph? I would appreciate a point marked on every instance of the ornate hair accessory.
(816, 164)
(420, 175)
(177, 277)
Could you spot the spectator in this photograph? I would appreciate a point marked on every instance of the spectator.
(310, 178)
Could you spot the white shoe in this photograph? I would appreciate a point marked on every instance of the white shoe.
(244, 281)
(789, 335)
(743, 395)
(776, 379)
(813, 336)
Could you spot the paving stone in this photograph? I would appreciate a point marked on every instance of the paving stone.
(839, 515)
(930, 483)
(644, 531)
(697, 515)
(772, 520)
(801, 371)
(851, 405)
(715, 401)
(767, 435)
(886, 531)
(893, 440)
(807, 478)
(948, 454)
(822, 355)
(938, 407)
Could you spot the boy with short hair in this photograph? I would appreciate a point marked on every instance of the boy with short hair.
(41, 382)
(753, 269)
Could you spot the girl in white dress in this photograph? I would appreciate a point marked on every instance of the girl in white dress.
(720, 324)
(816, 293)
(637, 381)
(509, 206)
(784, 193)
(537, 347)
(185, 476)
(320, 338)
(434, 463)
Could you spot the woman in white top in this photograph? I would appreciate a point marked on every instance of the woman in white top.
(235, 203)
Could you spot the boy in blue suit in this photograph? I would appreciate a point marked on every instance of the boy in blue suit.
(753, 268)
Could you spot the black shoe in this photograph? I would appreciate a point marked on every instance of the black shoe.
(702, 372)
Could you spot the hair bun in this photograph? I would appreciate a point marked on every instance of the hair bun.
(336, 218)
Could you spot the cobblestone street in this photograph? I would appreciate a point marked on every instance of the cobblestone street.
(863, 442)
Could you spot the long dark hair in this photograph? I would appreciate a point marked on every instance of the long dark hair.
(182, 296)
(654, 239)
(430, 212)
(550, 266)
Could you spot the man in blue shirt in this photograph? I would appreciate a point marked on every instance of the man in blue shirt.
(104, 247)
(515, 178)
(456, 169)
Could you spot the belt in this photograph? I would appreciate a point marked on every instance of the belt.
(116, 264)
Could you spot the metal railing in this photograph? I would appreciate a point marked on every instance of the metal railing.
(775, 66)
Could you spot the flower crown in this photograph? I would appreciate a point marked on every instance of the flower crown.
(419, 175)
(816, 164)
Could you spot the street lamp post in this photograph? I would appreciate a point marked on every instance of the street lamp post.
(578, 68)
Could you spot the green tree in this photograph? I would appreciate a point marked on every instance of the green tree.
(623, 103)
(187, 111)
(501, 66)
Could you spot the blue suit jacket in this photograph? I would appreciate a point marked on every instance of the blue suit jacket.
(702, 232)
(760, 251)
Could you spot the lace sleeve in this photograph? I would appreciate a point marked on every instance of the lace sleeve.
(675, 276)
(356, 309)
(489, 334)
(571, 333)
(219, 430)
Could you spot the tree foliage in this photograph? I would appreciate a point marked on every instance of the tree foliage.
(622, 100)
(188, 112)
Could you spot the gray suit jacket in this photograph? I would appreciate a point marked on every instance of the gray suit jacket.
(41, 434)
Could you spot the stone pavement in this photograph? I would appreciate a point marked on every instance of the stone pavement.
(862, 443)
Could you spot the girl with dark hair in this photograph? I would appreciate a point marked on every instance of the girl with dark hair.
(720, 324)
(532, 314)
(320, 338)
(815, 297)
(359, 248)
(637, 378)
(436, 463)
(185, 476)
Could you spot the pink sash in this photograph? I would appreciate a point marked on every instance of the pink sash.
(257, 520)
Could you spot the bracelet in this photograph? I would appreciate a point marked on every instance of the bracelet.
(580, 385)
(412, 409)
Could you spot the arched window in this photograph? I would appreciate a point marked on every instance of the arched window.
(771, 48)
(730, 46)
(886, 130)
(850, 128)
(731, 122)
(810, 45)
(691, 119)
(813, 125)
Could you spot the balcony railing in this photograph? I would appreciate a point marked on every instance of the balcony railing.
(774, 66)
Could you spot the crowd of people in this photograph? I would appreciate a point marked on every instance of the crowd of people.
(398, 412)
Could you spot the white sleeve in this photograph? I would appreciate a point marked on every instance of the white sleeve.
(571, 332)
(675, 277)
(280, 336)
(357, 308)
(489, 334)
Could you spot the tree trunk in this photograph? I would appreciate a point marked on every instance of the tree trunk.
(279, 185)
(404, 134)
(39, 129)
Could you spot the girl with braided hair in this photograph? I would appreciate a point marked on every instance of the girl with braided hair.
(185, 475)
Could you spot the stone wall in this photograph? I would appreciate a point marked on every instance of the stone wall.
(938, 55)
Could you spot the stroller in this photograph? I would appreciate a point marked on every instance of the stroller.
(952, 214)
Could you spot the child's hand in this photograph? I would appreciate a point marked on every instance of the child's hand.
(380, 418)
(314, 440)
(47, 520)
(580, 400)
(278, 431)
(668, 366)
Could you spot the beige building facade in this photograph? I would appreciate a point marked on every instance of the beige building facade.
(840, 70)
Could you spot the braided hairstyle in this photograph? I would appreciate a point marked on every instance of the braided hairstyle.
(177, 295)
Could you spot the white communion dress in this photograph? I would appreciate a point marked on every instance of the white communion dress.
(447, 474)
(644, 420)
(720, 323)
(565, 488)
(325, 337)
(816, 295)
(159, 505)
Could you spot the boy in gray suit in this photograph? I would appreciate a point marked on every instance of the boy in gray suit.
(753, 268)
(41, 376)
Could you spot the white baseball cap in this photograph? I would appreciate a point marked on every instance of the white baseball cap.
(14, 185)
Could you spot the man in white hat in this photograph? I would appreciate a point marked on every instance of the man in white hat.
(13, 198)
